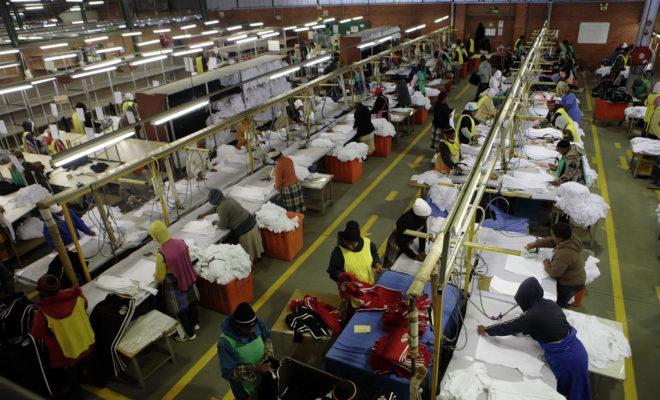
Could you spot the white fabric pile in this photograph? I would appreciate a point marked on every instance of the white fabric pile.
(201, 227)
(443, 196)
(584, 208)
(431, 92)
(468, 150)
(604, 343)
(274, 218)
(540, 153)
(645, 146)
(249, 193)
(302, 159)
(542, 133)
(635, 112)
(603, 70)
(351, 151)
(121, 285)
(419, 100)
(528, 181)
(31, 228)
(220, 263)
(227, 153)
(322, 143)
(430, 177)
(29, 195)
(383, 127)
(591, 268)
(343, 128)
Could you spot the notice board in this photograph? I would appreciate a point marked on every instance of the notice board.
(593, 32)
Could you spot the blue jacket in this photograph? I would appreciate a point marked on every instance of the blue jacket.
(78, 224)
(569, 101)
(229, 358)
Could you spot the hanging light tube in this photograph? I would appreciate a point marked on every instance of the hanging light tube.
(325, 21)
(270, 35)
(95, 3)
(148, 42)
(265, 32)
(415, 28)
(186, 52)
(200, 44)
(33, 8)
(61, 57)
(246, 40)
(163, 30)
(441, 19)
(237, 37)
(96, 39)
(103, 64)
(92, 146)
(308, 24)
(109, 49)
(179, 37)
(40, 81)
(93, 72)
(356, 18)
(148, 60)
(365, 45)
(186, 27)
(235, 27)
(54, 46)
(176, 113)
(317, 61)
(343, 21)
(10, 51)
(212, 22)
(131, 34)
(15, 89)
(4, 66)
(78, 22)
(211, 32)
(319, 26)
(256, 24)
(289, 28)
(156, 53)
(284, 73)
(301, 29)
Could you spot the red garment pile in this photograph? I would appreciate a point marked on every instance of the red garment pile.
(370, 297)
(330, 315)
(390, 354)
(396, 315)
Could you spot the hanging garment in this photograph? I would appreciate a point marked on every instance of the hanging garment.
(110, 319)
(23, 361)
(16, 315)
(303, 320)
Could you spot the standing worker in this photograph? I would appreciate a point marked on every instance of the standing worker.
(175, 271)
(364, 128)
(402, 93)
(441, 119)
(546, 323)
(31, 144)
(381, 106)
(129, 105)
(354, 254)
(567, 263)
(287, 183)
(398, 242)
(485, 72)
(78, 125)
(242, 224)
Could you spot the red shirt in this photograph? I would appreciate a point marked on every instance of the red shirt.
(285, 173)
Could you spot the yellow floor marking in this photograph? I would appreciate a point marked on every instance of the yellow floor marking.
(623, 163)
(587, 95)
(657, 194)
(104, 393)
(366, 228)
(382, 247)
(629, 385)
(391, 196)
(657, 291)
(629, 154)
(33, 294)
(463, 91)
(617, 145)
(417, 161)
(212, 351)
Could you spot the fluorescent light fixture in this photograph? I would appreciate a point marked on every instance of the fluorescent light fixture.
(74, 1)
(289, 28)
(265, 32)
(325, 21)
(212, 22)
(77, 22)
(343, 21)
(110, 49)
(176, 113)
(148, 42)
(365, 45)
(95, 3)
(415, 28)
(246, 40)
(317, 61)
(237, 37)
(22, 1)
(301, 29)
(441, 19)
(186, 27)
(179, 37)
(164, 30)
(148, 60)
(235, 27)
(53, 46)
(319, 26)
(76, 8)
(200, 44)
(131, 34)
(92, 146)
(186, 52)
(15, 89)
(284, 73)
(93, 72)
(35, 37)
(156, 53)
(96, 39)
(256, 24)
(211, 32)
(384, 39)
(61, 57)
(356, 18)
(49, 25)
(40, 81)
(10, 51)
(102, 64)
(16, 64)
(310, 23)
(270, 35)
(31, 8)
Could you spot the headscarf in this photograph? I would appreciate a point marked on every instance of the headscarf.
(562, 88)
(215, 197)
(421, 208)
(529, 293)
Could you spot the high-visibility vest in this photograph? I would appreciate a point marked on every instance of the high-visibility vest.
(127, 105)
(625, 59)
(571, 126)
(472, 124)
(471, 45)
(515, 45)
(455, 152)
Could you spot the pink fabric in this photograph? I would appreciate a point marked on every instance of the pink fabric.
(657, 102)
(177, 259)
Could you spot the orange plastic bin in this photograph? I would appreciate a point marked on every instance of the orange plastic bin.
(225, 298)
(609, 112)
(420, 116)
(284, 245)
(343, 171)
(383, 146)
(463, 71)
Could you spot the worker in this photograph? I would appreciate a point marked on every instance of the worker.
(471, 47)
(61, 324)
(66, 235)
(381, 106)
(653, 130)
(55, 146)
(641, 88)
(287, 183)
(354, 254)
(449, 153)
(26, 173)
(457, 55)
(242, 224)
(569, 102)
(174, 271)
(402, 93)
(31, 143)
(399, 242)
(519, 43)
(243, 129)
(650, 104)
(78, 125)
(485, 72)
(420, 78)
(441, 119)
(129, 104)
(364, 128)
(485, 106)
(564, 122)
(467, 126)
(569, 168)
(620, 63)
(245, 352)
(496, 81)
(546, 323)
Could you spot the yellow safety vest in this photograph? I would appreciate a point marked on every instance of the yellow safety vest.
(571, 125)
(515, 45)
(454, 151)
(472, 124)
(74, 333)
(359, 263)
(650, 106)
(127, 105)
(199, 62)
(56, 147)
(28, 147)
(78, 126)
(459, 53)
(481, 101)
(625, 59)
(471, 45)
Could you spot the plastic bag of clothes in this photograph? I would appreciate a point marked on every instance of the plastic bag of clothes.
(604, 89)
(620, 95)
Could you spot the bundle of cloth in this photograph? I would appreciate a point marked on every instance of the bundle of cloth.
(443, 194)
(419, 100)
(221, 263)
(351, 151)
(645, 146)
(390, 354)
(30, 195)
(312, 315)
(383, 127)
(274, 218)
(396, 315)
(634, 112)
(430, 177)
(369, 297)
(583, 207)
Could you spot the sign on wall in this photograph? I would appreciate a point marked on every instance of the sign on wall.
(593, 32)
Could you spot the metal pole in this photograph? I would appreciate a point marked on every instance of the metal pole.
(76, 243)
(203, 9)
(170, 177)
(54, 231)
(100, 204)
(158, 189)
(9, 25)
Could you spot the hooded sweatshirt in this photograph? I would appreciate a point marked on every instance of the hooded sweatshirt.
(543, 319)
(61, 322)
(567, 263)
(173, 257)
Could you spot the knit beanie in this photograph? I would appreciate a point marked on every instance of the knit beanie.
(352, 232)
(215, 197)
(563, 144)
(48, 285)
(244, 315)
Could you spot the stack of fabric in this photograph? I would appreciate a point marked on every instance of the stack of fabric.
(314, 316)
(330, 315)
(351, 151)
(584, 208)
(391, 354)
(396, 316)
(275, 219)
(221, 263)
(383, 127)
(369, 297)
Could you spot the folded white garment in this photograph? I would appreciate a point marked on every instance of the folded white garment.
(518, 352)
(443, 196)
(531, 182)
(584, 208)
(526, 266)
(635, 112)
(201, 227)
(540, 153)
(603, 70)
(248, 193)
(508, 288)
(541, 133)
(430, 177)
(431, 92)
(645, 146)
(31, 228)
(119, 285)
(603, 343)
(275, 219)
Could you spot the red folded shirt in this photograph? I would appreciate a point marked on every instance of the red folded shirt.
(396, 315)
(390, 354)
(330, 315)
(370, 297)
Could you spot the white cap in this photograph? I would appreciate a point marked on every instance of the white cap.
(421, 208)
(471, 106)
(56, 208)
(298, 103)
(129, 97)
(624, 45)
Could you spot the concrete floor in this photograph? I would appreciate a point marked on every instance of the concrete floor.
(627, 264)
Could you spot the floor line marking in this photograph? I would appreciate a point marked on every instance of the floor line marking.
(417, 161)
(366, 228)
(629, 384)
(623, 163)
(391, 196)
(617, 145)
(587, 96)
(104, 393)
(657, 291)
(629, 153)
(462, 92)
(212, 351)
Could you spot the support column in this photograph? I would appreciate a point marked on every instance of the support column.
(647, 23)
(128, 15)
(203, 9)
(54, 231)
(9, 23)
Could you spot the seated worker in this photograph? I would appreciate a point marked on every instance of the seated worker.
(245, 352)
(381, 106)
(653, 129)
(520, 42)
(243, 226)
(354, 254)
(129, 105)
(78, 224)
(78, 125)
(398, 242)
(466, 125)
(402, 93)
(569, 102)
(449, 153)
(641, 88)
(553, 107)
(650, 103)
(365, 129)
(441, 119)
(567, 263)
(287, 183)
(28, 173)
(62, 325)
(485, 106)
(546, 323)
(55, 146)
(31, 142)
(569, 168)
(175, 272)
